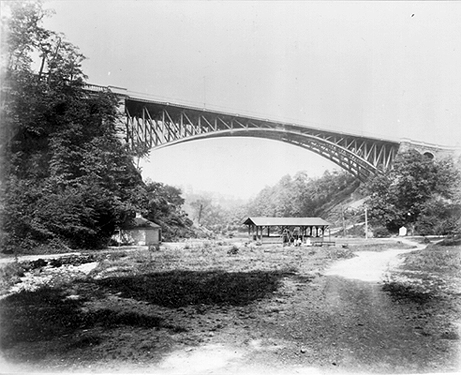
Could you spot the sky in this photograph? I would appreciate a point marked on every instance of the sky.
(382, 69)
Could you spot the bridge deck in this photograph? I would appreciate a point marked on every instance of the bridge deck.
(153, 123)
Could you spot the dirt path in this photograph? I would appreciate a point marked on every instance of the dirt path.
(371, 266)
(30, 258)
(337, 320)
(342, 322)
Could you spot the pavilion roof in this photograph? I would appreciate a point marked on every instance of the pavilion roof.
(286, 221)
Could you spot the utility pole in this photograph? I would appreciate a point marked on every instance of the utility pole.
(366, 223)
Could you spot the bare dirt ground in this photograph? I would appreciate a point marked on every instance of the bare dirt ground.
(279, 311)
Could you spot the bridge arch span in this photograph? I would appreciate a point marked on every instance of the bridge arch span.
(337, 154)
(151, 123)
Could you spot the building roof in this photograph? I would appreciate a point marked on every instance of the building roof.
(286, 221)
(140, 222)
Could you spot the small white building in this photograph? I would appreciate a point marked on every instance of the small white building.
(402, 231)
(141, 232)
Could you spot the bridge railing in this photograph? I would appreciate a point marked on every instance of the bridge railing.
(99, 88)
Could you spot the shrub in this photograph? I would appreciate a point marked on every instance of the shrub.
(451, 241)
(233, 250)
(381, 232)
(340, 253)
(10, 274)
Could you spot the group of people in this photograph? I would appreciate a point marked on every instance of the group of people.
(290, 239)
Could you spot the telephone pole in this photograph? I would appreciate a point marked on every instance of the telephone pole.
(366, 223)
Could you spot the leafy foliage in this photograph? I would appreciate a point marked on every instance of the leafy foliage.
(419, 192)
(300, 195)
(67, 180)
(295, 196)
(163, 205)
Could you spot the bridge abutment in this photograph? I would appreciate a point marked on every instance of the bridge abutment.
(431, 150)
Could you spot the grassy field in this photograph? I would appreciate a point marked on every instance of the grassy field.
(137, 305)
(428, 285)
(138, 289)
(434, 271)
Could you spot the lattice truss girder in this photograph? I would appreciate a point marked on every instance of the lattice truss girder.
(152, 125)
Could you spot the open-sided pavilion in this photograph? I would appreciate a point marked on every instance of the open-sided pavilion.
(291, 227)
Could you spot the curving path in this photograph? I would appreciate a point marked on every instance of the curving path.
(371, 266)
(341, 323)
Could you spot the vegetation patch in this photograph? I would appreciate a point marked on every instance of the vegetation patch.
(86, 341)
(183, 288)
(10, 274)
(407, 293)
(451, 241)
(339, 253)
(48, 314)
(435, 259)
(380, 246)
(40, 315)
(432, 273)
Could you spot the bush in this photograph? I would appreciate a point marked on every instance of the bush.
(381, 232)
(451, 241)
(233, 250)
(340, 253)
(10, 274)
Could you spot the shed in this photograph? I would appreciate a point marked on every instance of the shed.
(141, 232)
(287, 227)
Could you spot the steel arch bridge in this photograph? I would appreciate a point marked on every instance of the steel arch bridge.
(152, 124)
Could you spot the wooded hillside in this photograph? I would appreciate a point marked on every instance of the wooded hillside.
(67, 180)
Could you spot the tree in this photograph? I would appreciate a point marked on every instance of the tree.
(418, 192)
(67, 179)
(162, 204)
(302, 196)
(202, 206)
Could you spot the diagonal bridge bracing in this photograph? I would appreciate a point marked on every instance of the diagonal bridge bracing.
(151, 124)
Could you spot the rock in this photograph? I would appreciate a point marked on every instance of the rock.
(39, 263)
